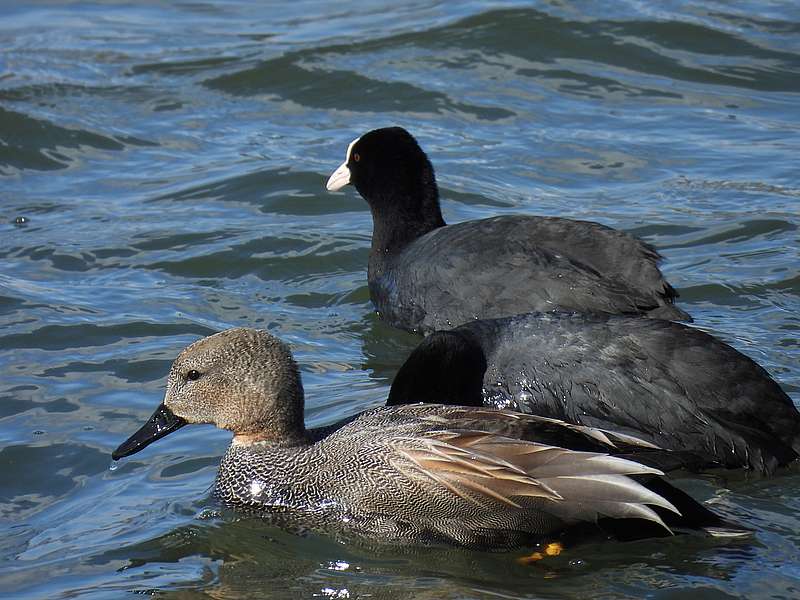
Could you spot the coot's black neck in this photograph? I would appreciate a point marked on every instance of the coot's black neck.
(400, 217)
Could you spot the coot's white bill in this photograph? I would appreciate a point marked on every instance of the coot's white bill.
(339, 179)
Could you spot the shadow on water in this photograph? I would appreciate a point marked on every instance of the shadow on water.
(252, 558)
(385, 348)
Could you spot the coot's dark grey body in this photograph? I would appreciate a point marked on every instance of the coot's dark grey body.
(670, 384)
(425, 275)
(516, 264)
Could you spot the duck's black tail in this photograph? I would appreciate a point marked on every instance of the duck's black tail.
(694, 515)
(694, 518)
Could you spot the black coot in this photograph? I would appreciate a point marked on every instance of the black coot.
(425, 275)
(669, 384)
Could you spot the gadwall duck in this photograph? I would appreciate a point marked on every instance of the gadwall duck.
(426, 275)
(672, 385)
(427, 474)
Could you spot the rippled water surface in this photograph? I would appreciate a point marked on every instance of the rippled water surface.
(162, 169)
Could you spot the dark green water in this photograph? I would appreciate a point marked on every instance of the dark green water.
(170, 161)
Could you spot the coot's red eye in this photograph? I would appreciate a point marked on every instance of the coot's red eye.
(356, 156)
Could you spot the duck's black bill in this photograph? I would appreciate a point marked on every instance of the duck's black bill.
(160, 424)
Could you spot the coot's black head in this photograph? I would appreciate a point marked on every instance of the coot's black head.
(393, 174)
(446, 368)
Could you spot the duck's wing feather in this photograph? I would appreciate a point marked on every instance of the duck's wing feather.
(518, 425)
(486, 469)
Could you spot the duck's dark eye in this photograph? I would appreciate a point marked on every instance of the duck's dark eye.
(356, 156)
(193, 375)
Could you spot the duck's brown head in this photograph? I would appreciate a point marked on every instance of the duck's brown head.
(244, 380)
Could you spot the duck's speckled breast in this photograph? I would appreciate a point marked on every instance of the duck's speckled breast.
(273, 479)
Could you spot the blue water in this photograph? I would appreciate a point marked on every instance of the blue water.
(162, 170)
